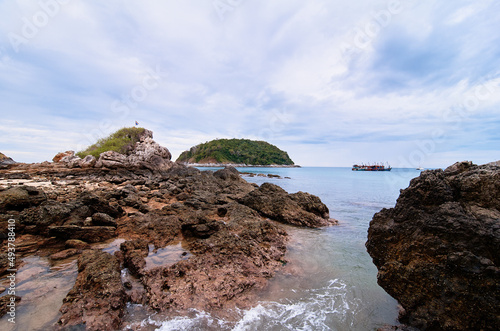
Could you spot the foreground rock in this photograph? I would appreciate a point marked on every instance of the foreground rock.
(225, 224)
(98, 298)
(437, 250)
(300, 208)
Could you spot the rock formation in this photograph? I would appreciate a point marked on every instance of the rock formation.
(297, 209)
(437, 250)
(226, 226)
(145, 154)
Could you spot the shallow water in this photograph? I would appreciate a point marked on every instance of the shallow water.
(166, 256)
(42, 285)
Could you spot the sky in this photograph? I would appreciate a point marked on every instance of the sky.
(412, 83)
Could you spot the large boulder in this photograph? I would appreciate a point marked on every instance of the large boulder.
(59, 156)
(112, 159)
(71, 161)
(437, 250)
(301, 209)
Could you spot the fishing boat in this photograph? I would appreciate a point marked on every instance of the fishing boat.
(371, 167)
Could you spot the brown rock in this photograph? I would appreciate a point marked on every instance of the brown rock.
(64, 254)
(437, 249)
(103, 220)
(97, 299)
(226, 268)
(20, 197)
(75, 243)
(300, 209)
(90, 234)
(134, 252)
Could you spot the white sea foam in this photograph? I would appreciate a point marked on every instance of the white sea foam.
(332, 307)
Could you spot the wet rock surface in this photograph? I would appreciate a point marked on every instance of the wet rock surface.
(98, 298)
(437, 250)
(226, 226)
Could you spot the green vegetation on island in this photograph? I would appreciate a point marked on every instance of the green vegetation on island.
(122, 141)
(236, 151)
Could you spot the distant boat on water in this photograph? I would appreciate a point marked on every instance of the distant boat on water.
(371, 167)
(420, 168)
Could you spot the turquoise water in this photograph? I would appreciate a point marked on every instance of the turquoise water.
(330, 280)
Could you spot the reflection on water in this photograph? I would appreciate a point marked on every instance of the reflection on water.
(166, 256)
(42, 287)
(110, 246)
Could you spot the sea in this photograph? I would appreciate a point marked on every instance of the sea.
(329, 282)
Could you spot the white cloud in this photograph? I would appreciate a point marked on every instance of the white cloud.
(270, 70)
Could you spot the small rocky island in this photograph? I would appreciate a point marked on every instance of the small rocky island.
(438, 250)
(238, 152)
(230, 230)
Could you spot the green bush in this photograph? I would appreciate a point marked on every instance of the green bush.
(122, 141)
(236, 151)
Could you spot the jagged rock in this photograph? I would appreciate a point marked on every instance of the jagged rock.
(103, 219)
(226, 267)
(88, 161)
(72, 161)
(199, 227)
(145, 154)
(20, 197)
(227, 173)
(90, 234)
(149, 154)
(112, 159)
(230, 249)
(61, 155)
(97, 300)
(64, 254)
(75, 243)
(134, 252)
(311, 203)
(437, 249)
(272, 201)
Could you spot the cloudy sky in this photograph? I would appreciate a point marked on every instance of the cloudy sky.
(404, 81)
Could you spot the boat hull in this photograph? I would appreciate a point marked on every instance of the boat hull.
(375, 167)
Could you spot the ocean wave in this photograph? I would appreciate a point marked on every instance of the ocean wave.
(332, 307)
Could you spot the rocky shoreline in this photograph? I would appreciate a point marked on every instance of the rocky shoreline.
(230, 231)
(437, 250)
